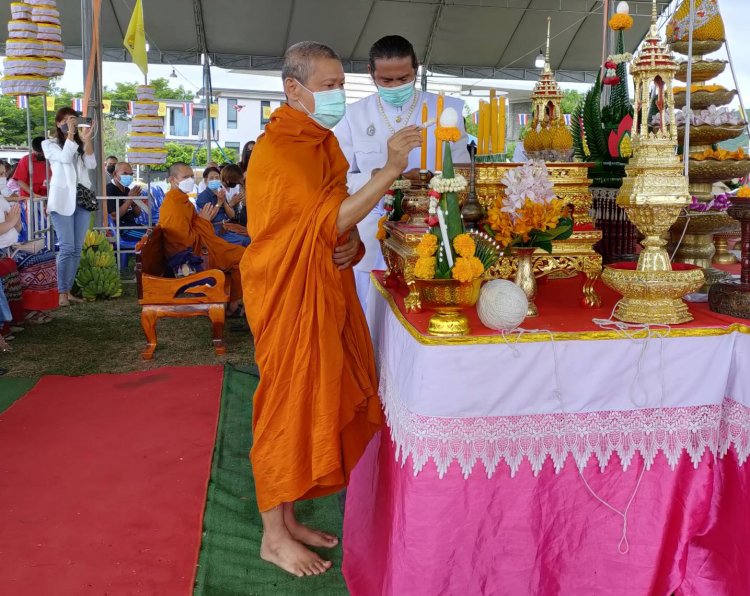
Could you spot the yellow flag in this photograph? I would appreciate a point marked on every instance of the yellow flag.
(267, 111)
(135, 38)
(162, 111)
(106, 106)
(214, 110)
(50, 103)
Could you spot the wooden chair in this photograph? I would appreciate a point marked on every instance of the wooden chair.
(201, 294)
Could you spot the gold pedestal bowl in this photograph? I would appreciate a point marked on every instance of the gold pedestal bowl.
(700, 46)
(448, 298)
(652, 297)
(702, 70)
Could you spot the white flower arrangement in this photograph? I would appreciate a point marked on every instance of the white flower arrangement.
(529, 181)
(401, 184)
(442, 185)
(713, 116)
(620, 58)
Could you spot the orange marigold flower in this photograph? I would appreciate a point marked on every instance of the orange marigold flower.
(427, 245)
(381, 234)
(424, 268)
(744, 193)
(464, 270)
(464, 245)
(449, 134)
(620, 21)
(477, 266)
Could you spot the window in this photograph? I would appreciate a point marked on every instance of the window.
(232, 113)
(179, 123)
(233, 146)
(265, 112)
(199, 123)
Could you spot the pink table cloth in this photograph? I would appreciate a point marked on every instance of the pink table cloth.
(493, 478)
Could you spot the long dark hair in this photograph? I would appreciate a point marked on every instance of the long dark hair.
(245, 157)
(61, 137)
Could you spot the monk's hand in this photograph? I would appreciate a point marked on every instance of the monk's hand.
(209, 211)
(344, 255)
(399, 147)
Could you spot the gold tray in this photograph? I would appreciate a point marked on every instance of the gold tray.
(700, 47)
(707, 222)
(715, 170)
(703, 70)
(700, 100)
(707, 134)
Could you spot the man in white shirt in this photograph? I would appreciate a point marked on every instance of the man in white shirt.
(368, 124)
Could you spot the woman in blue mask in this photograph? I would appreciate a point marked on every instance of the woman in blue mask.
(216, 194)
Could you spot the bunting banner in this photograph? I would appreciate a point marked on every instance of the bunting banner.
(567, 119)
(475, 117)
(214, 110)
(22, 102)
(77, 104)
(187, 108)
(238, 106)
(106, 106)
(131, 107)
(50, 103)
(162, 111)
(523, 119)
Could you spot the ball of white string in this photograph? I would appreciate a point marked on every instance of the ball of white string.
(502, 305)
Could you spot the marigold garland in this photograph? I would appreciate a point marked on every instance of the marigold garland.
(743, 193)
(450, 134)
(467, 269)
(427, 246)
(464, 245)
(620, 22)
(381, 234)
(424, 268)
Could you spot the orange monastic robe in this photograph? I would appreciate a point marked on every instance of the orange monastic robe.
(184, 228)
(316, 406)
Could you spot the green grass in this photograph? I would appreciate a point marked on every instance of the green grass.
(11, 389)
(106, 337)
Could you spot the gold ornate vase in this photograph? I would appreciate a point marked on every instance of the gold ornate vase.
(525, 278)
(448, 298)
(415, 204)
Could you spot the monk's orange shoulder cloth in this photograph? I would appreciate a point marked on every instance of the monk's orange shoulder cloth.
(316, 406)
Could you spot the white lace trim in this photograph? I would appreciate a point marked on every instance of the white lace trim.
(648, 431)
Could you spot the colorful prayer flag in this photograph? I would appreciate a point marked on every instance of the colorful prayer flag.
(106, 106)
(135, 39)
(50, 103)
(22, 102)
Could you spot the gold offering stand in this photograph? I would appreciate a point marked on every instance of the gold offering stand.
(652, 194)
(569, 257)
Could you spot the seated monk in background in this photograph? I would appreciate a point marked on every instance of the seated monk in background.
(316, 406)
(183, 228)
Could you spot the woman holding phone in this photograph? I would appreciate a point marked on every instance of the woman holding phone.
(70, 155)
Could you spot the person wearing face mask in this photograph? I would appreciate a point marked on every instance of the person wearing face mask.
(109, 167)
(216, 195)
(316, 406)
(21, 175)
(184, 227)
(368, 124)
(128, 210)
(71, 155)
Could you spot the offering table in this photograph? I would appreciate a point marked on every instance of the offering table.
(570, 461)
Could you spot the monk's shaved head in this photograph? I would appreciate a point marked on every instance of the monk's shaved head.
(123, 166)
(178, 168)
(299, 60)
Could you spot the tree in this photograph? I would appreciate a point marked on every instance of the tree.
(570, 101)
(114, 141)
(188, 154)
(122, 93)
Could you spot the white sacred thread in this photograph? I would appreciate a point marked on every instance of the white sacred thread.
(629, 331)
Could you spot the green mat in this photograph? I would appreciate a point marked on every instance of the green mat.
(11, 389)
(229, 563)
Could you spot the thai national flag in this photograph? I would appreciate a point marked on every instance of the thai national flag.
(77, 105)
(22, 102)
(187, 109)
(567, 119)
(475, 117)
(131, 107)
(523, 119)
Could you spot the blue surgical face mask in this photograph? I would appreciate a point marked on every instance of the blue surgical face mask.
(397, 96)
(330, 106)
(214, 184)
(126, 179)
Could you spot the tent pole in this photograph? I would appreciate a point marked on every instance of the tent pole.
(94, 110)
(31, 211)
(207, 89)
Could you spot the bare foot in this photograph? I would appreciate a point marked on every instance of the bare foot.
(291, 556)
(74, 299)
(309, 536)
(63, 300)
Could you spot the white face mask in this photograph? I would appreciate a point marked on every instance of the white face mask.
(186, 185)
(3, 180)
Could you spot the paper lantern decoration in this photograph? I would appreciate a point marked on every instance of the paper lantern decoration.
(502, 305)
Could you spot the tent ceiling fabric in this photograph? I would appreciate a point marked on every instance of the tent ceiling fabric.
(483, 38)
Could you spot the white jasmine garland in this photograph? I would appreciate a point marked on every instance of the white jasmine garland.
(403, 184)
(443, 185)
(620, 58)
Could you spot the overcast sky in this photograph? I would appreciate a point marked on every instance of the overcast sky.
(190, 77)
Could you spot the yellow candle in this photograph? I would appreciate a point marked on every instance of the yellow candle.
(423, 160)
(493, 122)
(438, 142)
(501, 126)
(485, 127)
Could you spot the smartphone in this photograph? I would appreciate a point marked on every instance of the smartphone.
(84, 122)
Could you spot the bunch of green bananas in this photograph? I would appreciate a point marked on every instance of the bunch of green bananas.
(97, 282)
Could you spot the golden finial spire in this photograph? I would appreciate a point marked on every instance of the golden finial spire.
(653, 12)
(546, 56)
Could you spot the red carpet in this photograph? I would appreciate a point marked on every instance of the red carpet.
(103, 482)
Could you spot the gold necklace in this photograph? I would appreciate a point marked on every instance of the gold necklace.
(398, 118)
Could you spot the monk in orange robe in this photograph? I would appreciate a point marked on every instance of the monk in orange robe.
(316, 406)
(183, 228)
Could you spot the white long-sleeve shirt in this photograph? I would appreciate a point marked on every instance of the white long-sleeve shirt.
(69, 168)
(363, 136)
